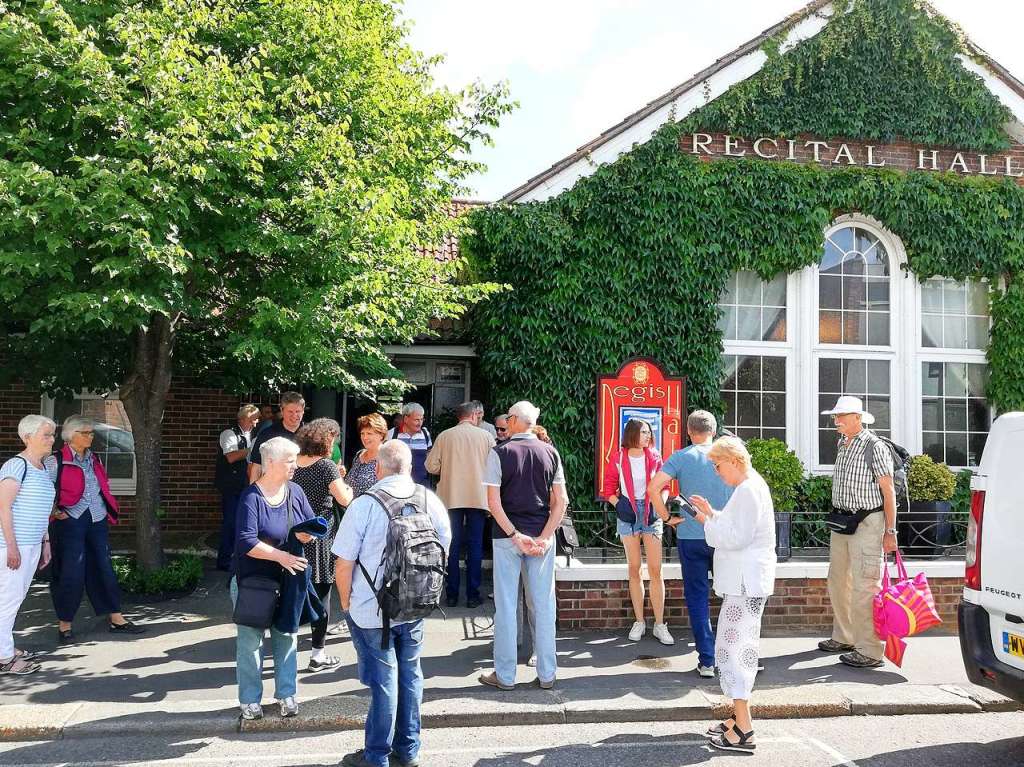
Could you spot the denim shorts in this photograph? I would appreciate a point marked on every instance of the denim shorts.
(655, 528)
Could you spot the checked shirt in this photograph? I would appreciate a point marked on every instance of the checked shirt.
(854, 485)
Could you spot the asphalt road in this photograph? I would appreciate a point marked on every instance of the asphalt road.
(952, 740)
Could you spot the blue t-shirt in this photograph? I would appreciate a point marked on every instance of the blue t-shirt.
(33, 503)
(696, 475)
(256, 520)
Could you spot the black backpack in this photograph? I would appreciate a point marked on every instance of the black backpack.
(413, 562)
(901, 465)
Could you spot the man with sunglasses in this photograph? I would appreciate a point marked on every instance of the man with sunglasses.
(501, 429)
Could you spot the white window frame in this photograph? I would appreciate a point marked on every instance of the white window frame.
(118, 486)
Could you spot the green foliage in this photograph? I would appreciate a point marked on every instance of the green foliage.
(929, 481)
(780, 468)
(632, 259)
(852, 79)
(814, 494)
(182, 574)
(260, 174)
(961, 501)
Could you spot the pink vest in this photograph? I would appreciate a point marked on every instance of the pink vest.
(72, 484)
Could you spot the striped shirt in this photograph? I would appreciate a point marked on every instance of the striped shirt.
(854, 484)
(33, 503)
(419, 441)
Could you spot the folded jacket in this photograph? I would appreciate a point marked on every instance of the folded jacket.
(299, 603)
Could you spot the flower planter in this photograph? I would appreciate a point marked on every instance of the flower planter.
(783, 527)
(925, 530)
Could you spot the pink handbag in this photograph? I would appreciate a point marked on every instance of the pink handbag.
(902, 609)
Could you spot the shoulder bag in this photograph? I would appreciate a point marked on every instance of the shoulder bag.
(259, 595)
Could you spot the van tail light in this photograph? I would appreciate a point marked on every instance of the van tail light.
(972, 577)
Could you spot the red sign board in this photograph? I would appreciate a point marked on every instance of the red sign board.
(643, 391)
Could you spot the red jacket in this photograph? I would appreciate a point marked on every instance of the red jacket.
(618, 465)
(72, 484)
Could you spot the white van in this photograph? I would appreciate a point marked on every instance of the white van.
(992, 610)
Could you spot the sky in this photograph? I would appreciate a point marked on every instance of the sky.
(577, 67)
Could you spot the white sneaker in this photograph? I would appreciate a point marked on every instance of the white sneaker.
(289, 706)
(706, 672)
(637, 631)
(252, 711)
(661, 634)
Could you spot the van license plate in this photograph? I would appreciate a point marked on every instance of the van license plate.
(1013, 644)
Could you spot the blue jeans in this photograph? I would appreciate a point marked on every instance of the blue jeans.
(696, 559)
(249, 660)
(468, 529)
(395, 680)
(226, 550)
(509, 563)
(81, 561)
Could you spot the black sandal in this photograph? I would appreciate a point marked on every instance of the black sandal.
(741, 746)
(718, 729)
(126, 628)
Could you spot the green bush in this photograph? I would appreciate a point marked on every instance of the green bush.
(780, 468)
(929, 481)
(182, 573)
(962, 495)
(814, 501)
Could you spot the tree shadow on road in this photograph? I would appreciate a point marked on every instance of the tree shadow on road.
(998, 753)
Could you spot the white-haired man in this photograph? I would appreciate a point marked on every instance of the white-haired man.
(526, 495)
(864, 498)
(393, 675)
(417, 438)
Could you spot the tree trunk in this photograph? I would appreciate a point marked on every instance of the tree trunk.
(144, 395)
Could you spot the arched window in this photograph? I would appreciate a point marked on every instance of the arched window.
(857, 323)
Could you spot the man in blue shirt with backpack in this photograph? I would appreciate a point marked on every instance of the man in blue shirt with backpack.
(696, 475)
(389, 650)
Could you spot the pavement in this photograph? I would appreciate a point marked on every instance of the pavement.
(179, 678)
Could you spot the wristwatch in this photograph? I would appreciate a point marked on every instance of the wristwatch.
(890, 531)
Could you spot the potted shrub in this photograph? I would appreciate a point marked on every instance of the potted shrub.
(930, 487)
(814, 503)
(783, 473)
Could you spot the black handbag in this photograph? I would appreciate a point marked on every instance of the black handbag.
(846, 523)
(259, 595)
(566, 538)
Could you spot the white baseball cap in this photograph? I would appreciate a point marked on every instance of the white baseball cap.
(846, 404)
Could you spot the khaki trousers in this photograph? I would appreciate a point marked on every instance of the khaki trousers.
(854, 577)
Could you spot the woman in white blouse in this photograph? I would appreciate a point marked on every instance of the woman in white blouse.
(743, 536)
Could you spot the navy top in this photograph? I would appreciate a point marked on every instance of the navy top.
(256, 520)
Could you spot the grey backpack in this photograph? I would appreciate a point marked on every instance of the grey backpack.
(413, 562)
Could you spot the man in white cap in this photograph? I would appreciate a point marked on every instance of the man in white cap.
(864, 526)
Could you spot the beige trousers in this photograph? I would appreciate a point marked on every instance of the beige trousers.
(854, 577)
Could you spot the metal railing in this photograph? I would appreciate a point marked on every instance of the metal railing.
(801, 536)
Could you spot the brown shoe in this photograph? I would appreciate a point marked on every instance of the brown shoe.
(831, 645)
(857, 659)
(548, 685)
(491, 680)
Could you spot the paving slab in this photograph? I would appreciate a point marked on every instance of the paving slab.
(629, 706)
(987, 699)
(22, 721)
(336, 712)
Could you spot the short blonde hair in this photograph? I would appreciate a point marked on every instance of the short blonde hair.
(730, 449)
(246, 411)
(374, 422)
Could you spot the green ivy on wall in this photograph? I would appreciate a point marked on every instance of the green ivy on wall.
(841, 83)
(632, 260)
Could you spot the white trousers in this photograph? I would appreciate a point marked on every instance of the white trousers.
(737, 644)
(13, 588)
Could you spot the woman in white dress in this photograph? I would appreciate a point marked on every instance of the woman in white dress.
(743, 536)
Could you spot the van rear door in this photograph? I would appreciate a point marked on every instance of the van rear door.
(1001, 477)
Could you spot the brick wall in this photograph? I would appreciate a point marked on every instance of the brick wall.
(799, 603)
(898, 156)
(193, 420)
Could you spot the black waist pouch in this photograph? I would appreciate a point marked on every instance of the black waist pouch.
(847, 522)
(258, 597)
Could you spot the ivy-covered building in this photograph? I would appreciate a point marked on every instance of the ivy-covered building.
(834, 207)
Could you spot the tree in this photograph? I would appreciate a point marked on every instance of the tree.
(228, 190)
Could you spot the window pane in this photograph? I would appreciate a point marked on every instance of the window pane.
(956, 448)
(830, 292)
(878, 329)
(729, 362)
(827, 441)
(775, 291)
(749, 376)
(773, 410)
(956, 380)
(934, 446)
(855, 328)
(773, 324)
(956, 415)
(729, 293)
(878, 377)
(931, 330)
(977, 333)
(774, 369)
(748, 289)
(977, 380)
(977, 298)
(727, 323)
(880, 409)
(931, 379)
(954, 297)
(748, 324)
(954, 332)
(854, 290)
(867, 379)
(748, 409)
(976, 445)
(978, 416)
(830, 376)
(931, 415)
(830, 327)
(855, 376)
(931, 296)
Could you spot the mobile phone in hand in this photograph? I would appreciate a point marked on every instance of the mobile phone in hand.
(687, 507)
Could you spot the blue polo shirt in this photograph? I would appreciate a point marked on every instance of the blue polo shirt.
(696, 475)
